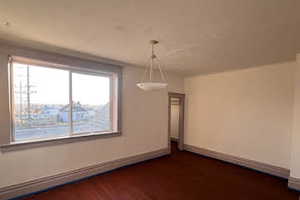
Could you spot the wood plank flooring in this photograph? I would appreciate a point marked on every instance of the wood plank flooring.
(180, 176)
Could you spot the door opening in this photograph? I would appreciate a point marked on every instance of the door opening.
(176, 120)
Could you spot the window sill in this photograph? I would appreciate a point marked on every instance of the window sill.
(55, 141)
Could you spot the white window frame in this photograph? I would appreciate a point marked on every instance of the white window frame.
(115, 113)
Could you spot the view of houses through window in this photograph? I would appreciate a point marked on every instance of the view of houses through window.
(42, 96)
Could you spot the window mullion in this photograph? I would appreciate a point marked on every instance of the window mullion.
(70, 103)
(112, 102)
(12, 100)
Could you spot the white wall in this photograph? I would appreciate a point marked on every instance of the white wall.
(295, 150)
(245, 113)
(174, 121)
(145, 126)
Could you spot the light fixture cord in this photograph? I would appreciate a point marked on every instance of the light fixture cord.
(159, 66)
(151, 64)
(162, 75)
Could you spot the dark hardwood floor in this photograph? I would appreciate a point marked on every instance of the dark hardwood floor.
(182, 175)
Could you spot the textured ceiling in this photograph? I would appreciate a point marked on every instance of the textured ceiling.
(196, 36)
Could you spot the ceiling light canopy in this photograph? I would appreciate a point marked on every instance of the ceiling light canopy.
(147, 82)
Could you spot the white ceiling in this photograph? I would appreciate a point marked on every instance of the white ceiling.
(196, 36)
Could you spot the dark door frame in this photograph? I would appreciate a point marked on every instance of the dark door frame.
(181, 98)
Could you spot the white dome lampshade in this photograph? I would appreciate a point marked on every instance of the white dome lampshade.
(148, 85)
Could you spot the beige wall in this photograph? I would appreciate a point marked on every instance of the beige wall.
(245, 113)
(145, 126)
(295, 150)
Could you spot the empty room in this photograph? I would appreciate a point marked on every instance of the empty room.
(149, 100)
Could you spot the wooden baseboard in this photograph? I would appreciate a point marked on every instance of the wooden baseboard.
(294, 183)
(262, 167)
(63, 178)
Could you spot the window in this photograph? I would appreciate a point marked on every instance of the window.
(50, 102)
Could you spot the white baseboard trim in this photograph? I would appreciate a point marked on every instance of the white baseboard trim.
(262, 167)
(63, 178)
(294, 183)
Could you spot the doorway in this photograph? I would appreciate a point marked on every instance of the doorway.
(176, 120)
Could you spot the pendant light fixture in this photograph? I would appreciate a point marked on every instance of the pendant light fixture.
(147, 82)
